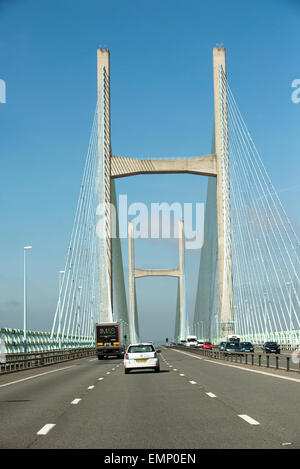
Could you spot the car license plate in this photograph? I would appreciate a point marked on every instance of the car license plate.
(140, 361)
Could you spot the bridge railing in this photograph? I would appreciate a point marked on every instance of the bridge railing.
(23, 361)
(37, 341)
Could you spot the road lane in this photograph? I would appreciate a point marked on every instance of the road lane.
(152, 411)
(31, 399)
(271, 400)
(192, 403)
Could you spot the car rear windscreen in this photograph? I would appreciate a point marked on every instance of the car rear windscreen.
(140, 349)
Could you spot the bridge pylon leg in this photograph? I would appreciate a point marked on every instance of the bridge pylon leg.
(223, 193)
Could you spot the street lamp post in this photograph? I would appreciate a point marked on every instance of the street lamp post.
(289, 284)
(60, 273)
(265, 301)
(92, 323)
(26, 248)
(78, 311)
(247, 319)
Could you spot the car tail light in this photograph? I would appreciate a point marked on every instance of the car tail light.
(127, 356)
(155, 354)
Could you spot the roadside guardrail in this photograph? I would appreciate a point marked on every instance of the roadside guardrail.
(24, 361)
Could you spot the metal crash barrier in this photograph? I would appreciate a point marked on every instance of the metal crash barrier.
(21, 361)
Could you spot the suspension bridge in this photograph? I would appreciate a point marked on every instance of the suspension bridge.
(248, 281)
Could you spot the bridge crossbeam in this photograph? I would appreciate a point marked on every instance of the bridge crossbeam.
(202, 165)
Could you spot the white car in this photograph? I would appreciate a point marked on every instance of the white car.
(139, 356)
(191, 341)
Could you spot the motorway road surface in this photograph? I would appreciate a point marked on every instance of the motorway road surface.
(194, 402)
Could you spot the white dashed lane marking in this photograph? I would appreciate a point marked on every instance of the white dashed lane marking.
(210, 394)
(248, 419)
(46, 429)
(75, 401)
(91, 387)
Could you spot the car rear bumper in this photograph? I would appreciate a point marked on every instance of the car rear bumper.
(133, 364)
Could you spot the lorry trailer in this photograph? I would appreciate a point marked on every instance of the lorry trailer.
(108, 340)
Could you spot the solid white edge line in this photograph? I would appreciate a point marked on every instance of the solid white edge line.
(248, 419)
(35, 376)
(46, 429)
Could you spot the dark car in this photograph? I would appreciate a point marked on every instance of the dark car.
(246, 347)
(271, 347)
(232, 347)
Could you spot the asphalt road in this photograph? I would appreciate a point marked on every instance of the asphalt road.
(192, 403)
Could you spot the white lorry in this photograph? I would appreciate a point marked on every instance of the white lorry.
(191, 341)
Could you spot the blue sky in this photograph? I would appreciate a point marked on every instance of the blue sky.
(161, 85)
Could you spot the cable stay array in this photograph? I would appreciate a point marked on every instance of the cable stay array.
(265, 246)
(77, 307)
